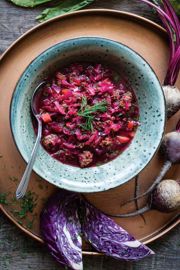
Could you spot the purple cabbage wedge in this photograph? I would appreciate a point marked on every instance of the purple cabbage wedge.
(60, 228)
(109, 238)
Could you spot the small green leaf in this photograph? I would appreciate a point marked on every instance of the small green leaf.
(88, 125)
(29, 3)
(30, 224)
(87, 112)
(83, 103)
(20, 222)
(3, 198)
(27, 205)
(64, 7)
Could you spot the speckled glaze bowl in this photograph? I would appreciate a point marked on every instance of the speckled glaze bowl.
(151, 104)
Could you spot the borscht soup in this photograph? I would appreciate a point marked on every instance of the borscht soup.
(89, 113)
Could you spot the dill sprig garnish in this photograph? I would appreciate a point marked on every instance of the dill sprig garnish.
(3, 198)
(27, 205)
(87, 112)
(88, 125)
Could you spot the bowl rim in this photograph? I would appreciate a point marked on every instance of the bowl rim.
(79, 189)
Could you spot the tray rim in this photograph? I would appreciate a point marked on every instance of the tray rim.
(162, 231)
(173, 222)
(84, 11)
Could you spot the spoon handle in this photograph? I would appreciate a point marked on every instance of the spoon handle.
(21, 190)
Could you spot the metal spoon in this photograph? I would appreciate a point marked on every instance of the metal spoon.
(21, 190)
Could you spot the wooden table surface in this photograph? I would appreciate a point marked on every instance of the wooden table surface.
(18, 251)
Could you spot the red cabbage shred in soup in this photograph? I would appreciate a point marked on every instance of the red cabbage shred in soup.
(89, 115)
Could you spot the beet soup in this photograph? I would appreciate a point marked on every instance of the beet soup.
(89, 114)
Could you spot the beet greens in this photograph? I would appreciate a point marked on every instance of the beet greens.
(29, 3)
(63, 8)
(172, 25)
(59, 7)
(170, 147)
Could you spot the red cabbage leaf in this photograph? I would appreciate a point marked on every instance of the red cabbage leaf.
(66, 217)
(108, 237)
(60, 228)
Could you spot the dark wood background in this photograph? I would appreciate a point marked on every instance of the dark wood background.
(18, 251)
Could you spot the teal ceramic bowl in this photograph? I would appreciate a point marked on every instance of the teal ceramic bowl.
(151, 104)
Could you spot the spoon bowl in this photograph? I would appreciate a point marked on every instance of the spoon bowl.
(35, 99)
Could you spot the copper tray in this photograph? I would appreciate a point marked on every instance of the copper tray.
(145, 37)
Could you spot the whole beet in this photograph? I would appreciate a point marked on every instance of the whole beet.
(171, 146)
(166, 196)
(172, 96)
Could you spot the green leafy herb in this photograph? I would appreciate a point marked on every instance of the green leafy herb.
(27, 205)
(64, 7)
(3, 198)
(30, 224)
(83, 103)
(20, 222)
(87, 111)
(88, 125)
(29, 3)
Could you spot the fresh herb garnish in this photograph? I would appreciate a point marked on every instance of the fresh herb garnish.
(87, 112)
(30, 224)
(3, 198)
(88, 125)
(27, 204)
(20, 222)
(83, 103)
(22, 207)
